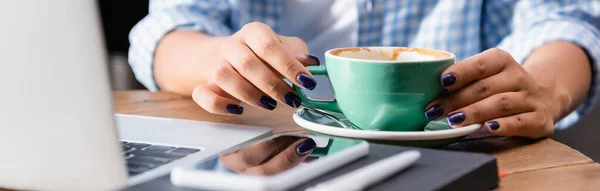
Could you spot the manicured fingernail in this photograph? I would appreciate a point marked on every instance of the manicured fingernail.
(456, 118)
(292, 100)
(493, 125)
(267, 103)
(448, 80)
(306, 146)
(314, 58)
(234, 109)
(434, 112)
(307, 81)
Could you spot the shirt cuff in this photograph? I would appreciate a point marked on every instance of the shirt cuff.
(146, 35)
(524, 40)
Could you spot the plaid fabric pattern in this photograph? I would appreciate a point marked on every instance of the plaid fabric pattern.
(464, 27)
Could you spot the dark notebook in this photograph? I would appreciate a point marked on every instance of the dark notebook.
(435, 170)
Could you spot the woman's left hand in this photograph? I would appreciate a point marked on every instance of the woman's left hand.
(493, 89)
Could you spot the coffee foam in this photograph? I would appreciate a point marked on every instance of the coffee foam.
(400, 54)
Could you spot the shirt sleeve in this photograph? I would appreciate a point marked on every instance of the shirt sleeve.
(208, 16)
(537, 22)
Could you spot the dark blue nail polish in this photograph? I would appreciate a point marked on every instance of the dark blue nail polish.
(307, 81)
(493, 125)
(456, 118)
(234, 109)
(306, 146)
(434, 112)
(292, 100)
(313, 57)
(448, 80)
(267, 103)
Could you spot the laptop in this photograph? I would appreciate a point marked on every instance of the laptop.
(58, 129)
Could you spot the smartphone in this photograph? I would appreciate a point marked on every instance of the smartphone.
(273, 163)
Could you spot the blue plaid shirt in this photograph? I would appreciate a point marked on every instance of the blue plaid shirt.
(464, 27)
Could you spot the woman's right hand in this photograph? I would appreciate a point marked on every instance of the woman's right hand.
(253, 63)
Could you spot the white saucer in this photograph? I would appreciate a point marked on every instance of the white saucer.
(438, 130)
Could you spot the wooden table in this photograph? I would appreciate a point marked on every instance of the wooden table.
(529, 164)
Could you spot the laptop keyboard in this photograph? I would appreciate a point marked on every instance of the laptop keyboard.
(142, 157)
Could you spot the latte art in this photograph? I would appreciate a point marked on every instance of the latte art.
(399, 54)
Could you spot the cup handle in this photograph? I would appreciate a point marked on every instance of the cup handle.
(323, 105)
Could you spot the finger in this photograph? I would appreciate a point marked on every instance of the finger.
(475, 91)
(258, 73)
(210, 97)
(487, 63)
(499, 105)
(288, 158)
(256, 154)
(305, 59)
(222, 92)
(268, 47)
(233, 83)
(299, 48)
(294, 44)
(531, 124)
(308, 59)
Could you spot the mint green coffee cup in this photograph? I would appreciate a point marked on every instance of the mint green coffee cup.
(382, 88)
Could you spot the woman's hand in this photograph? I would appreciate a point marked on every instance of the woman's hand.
(492, 88)
(253, 63)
